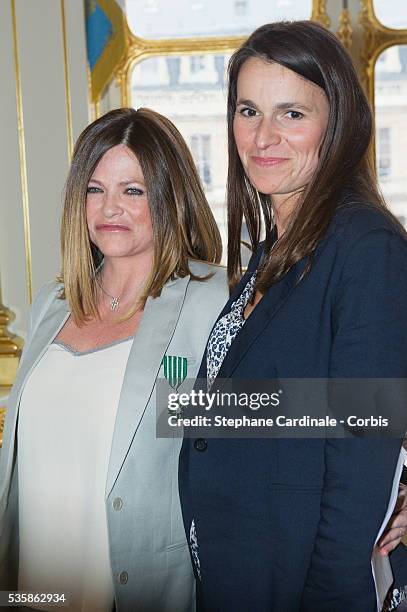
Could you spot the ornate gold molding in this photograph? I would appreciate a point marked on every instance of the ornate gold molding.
(345, 31)
(10, 352)
(2, 417)
(96, 107)
(10, 349)
(376, 39)
(68, 106)
(116, 49)
(319, 13)
(23, 161)
(141, 48)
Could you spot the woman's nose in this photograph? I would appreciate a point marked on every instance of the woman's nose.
(111, 205)
(267, 133)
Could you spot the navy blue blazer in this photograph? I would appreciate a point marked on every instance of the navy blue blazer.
(286, 525)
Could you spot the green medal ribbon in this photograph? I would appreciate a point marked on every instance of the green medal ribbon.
(175, 370)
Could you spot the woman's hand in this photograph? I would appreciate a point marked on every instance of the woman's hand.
(397, 526)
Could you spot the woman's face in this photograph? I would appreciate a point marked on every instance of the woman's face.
(279, 124)
(117, 209)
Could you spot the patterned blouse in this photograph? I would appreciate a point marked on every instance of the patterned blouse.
(226, 330)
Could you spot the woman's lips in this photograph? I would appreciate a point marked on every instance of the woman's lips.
(268, 161)
(110, 227)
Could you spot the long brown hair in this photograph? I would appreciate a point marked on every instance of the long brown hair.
(183, 224)
(317, 55)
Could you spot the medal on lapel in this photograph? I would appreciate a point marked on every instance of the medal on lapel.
(175, 370)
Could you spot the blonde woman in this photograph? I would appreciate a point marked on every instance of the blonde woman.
(94, 513)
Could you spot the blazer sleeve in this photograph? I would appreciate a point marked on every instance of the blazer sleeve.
(370, 341)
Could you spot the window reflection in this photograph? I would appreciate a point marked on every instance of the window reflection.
(201, 150)
(192, 18)
(391, 13)
(391, 129)
(190, 90)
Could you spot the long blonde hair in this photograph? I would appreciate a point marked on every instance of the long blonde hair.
(183, 224)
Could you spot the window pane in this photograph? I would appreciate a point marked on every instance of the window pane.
(190, 90)
(392, 13)
(185, 18)
(391, 129)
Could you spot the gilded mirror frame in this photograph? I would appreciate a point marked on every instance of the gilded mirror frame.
(138, 49)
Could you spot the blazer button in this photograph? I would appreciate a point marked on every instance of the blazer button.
(200, 444)
(123, 577)
(117, 503)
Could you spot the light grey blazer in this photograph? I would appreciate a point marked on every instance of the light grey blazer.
(149, 555)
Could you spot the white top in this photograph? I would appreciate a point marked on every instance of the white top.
(66, 421)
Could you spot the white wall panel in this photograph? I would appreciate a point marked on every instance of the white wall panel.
(44, 126)
(42, 76)
(76, 47)
(12, 244)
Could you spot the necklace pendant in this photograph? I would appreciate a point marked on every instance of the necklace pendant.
(114, 303)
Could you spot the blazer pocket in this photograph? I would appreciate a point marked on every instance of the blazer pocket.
(176, 545)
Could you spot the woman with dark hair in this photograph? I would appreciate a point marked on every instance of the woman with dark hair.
(93, 518)
(290, 524)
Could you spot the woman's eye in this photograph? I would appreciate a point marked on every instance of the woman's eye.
(134, 191)
(294, 115)
(94, 190)
(248, 112)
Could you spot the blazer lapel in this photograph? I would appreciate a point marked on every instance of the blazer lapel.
(267, 308)
(49, 326)
(149, 346)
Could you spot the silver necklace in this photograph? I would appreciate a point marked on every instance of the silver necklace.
(114, 301)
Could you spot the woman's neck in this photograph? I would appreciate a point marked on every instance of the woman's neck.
(125, 277)
(283, 207)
